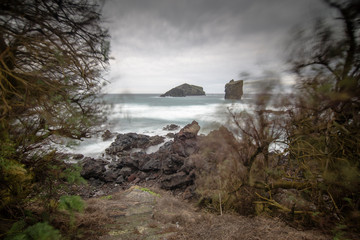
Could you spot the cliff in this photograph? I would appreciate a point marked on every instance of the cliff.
(184, 90)
(234, 89)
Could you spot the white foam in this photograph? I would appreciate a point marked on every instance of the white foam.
(172, 113)
(142, 118)
(93, 147)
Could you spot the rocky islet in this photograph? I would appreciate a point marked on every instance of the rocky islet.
(184, 90)
(234, 90)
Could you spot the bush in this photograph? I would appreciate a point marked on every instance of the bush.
(53, 54)
(15, 179)
(39, 231)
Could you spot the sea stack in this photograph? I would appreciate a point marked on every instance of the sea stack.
(234, 89)
(184, 90)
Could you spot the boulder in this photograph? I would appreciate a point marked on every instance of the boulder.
(184, 90)
(170, 135)
(132, 177)
(107, 135)
(134, 160)
(185, 142)
(171, 127)
(151, 165)
(93, 168)
(129, 141)
(155, 140)
(120, 180)
(125, 171)
(189, 131)
(166, 147)
(172, 164)
(176, 180)
(77, 156)
(110, 175)
(234, 89)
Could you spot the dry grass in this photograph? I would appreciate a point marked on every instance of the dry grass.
(192, 223)
(240, 227)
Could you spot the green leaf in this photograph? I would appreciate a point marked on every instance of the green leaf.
(72, 203)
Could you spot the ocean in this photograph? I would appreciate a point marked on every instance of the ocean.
(149, 114)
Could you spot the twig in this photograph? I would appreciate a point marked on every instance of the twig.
(220, 204)
(278, 205)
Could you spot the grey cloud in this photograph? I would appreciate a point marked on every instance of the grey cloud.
(188, 15)
(200, 35)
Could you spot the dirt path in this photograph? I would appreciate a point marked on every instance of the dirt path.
(139, 213)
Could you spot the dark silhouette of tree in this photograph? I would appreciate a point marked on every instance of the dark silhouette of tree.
(324, 127)
(52, 55)
(319, 124)
(327, 60)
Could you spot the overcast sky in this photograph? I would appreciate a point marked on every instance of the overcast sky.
(159, 44)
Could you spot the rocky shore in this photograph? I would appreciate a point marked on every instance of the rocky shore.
(175, 165)
(126, 161)
(121, 185)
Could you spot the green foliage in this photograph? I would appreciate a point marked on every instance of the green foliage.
(73, 175)
(323, 134)
(16, 229)
(39, 231)
(53, 54)
(148, 191)
(71, 204)
(15, 179)
(339, 232)
(319, 168)
(108, 197)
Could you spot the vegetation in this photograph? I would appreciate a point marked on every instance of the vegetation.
(41, 231)
(323, 133)
(315, 180)
(148, 191)
(52, 54)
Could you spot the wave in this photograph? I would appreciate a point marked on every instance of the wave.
(144, 115)
(177, 113)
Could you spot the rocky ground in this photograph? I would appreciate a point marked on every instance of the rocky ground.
(120, 182)
(141, 213)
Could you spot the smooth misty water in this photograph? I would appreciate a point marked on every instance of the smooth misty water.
(149, 113)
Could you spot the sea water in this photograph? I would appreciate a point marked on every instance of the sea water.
(149, 114)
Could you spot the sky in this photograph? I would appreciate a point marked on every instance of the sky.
(159, 44)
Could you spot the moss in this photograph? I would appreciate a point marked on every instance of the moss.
(148, 190)
(108, 197)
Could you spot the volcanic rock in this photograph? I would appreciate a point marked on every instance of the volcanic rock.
(176, 180)
(234, 89)
(132, 164)
(185, 141)
(151, 165)
(93, 168)
(107, 135)
(171, 127)
(170, 135)
(110, 175)
(184, 90)
(129, 141)
(172, 164)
